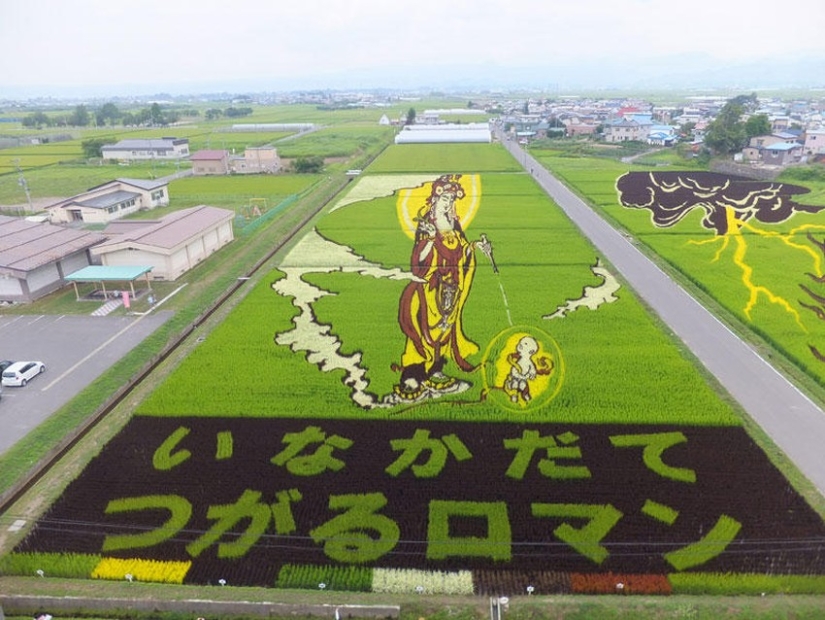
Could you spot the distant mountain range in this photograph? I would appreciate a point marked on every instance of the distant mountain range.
(678, 73)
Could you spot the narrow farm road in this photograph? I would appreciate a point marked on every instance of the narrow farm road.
(789, 417)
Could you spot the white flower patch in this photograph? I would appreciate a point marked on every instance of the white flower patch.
(592, 296)
(378, 186)
(403, 580)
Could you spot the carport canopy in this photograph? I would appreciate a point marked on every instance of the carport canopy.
(104, 274)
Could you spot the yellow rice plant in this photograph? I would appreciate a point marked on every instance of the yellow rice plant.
(134, 569)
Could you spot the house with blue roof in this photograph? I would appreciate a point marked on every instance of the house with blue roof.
(782, 154)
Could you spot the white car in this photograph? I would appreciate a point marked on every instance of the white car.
(19, 373)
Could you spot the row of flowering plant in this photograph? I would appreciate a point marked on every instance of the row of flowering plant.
(133, 569)
(402, 581)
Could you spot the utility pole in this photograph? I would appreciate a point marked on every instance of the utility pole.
(21, 181)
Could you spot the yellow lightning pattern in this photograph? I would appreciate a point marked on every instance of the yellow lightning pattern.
(734, 236)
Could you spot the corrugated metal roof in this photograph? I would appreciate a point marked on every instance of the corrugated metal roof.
(107, 200)
(174, 229)
(783, 146)
(148, 143)
(25, 245)
(444, 135)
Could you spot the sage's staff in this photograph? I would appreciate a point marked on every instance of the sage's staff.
(487, 247)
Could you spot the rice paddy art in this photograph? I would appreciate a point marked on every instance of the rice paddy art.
(449, 389)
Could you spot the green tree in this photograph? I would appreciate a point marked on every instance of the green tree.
(108, 113)
(37, 120)
(411, 116)
(156, 115)
(726, 133)
(93, 147)
(80, 117)
(758, 125)
(308, 165)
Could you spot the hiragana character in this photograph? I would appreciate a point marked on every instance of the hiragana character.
(248, 507)
(654, 445)
(530, 441)
(311, 464)
(422, 442)
(165, 458)
(180, 510)
(346, 537)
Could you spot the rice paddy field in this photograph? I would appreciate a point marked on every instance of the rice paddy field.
(442, 388)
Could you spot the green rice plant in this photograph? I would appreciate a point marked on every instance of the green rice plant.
(443, 158)
(337, 141)
(67, 565)
(643, 377)
(759, 275)
(714, 584)
(337, 578)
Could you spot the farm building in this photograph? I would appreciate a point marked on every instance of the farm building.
(171, 245)
(256, 160)
(291, 127)
(36, 256)
(207, 162)
(153, 148)
(469, 132)
(110, 201)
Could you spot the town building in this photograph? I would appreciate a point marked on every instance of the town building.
(171, 245)
(147, 149)
(36, 256)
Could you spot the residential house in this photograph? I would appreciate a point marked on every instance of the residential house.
(782, 154)
(576, 126)
(814, 142)
(623, 130)
(255, 160)
(780, 123)
(171, 245)
(662, 135)
(757, 144)
(152, 148)
(110, 201)
(36, 256)
(208, 162)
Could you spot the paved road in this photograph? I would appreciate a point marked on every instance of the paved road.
(75, 349)
(793, 421)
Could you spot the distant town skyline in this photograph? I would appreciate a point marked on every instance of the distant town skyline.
(99, 48)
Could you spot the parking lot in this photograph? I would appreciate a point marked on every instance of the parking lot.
(75, 349)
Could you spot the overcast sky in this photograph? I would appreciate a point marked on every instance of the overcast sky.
(52, 45)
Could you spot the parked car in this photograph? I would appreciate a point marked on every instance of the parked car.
(19, 373)
(5, 364)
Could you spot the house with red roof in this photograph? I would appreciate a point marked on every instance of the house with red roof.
(208, 162)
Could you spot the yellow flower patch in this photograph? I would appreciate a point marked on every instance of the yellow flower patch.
(141, 570)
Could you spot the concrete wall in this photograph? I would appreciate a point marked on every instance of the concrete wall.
(25, 605)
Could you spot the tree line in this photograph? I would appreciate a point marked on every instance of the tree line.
(110, 115)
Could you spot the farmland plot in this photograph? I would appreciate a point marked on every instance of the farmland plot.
(441, 378)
